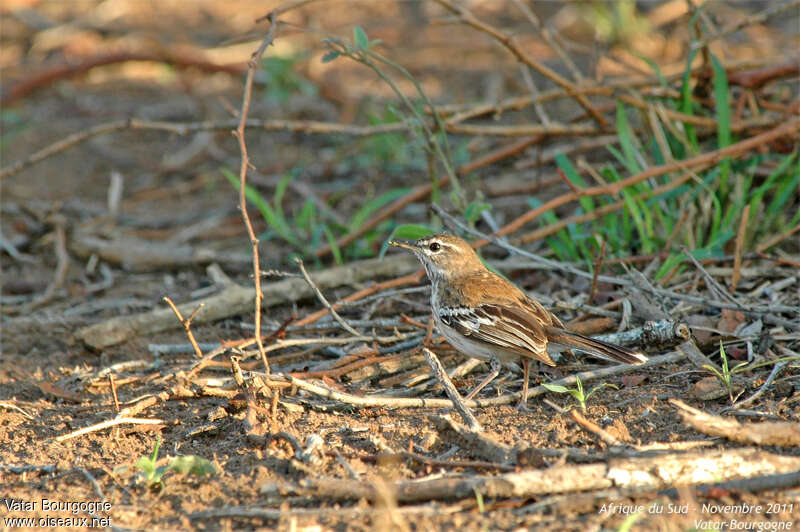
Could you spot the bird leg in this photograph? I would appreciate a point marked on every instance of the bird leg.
(523, 400)
(495, 371)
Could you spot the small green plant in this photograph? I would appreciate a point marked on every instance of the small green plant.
(435, 140)
(281, 79)
(392, 152)
(153, 475)
(701, 213)
(578, 392)
(726, 375)
(307, 228)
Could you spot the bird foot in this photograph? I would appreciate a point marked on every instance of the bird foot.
(523, 407)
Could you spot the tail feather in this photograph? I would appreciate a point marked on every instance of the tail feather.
(598, 348)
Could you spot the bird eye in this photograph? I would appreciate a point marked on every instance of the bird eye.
(434, 246)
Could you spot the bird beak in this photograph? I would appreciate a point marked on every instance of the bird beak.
(401, 244)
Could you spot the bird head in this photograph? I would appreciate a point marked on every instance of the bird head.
(444, 256)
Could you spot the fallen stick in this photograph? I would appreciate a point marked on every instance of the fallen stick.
(778, 433)
(640, 474)
(452, 393)
(109, 423)
(482, 445)
(414, 402)
(239, 299)
(595, 429)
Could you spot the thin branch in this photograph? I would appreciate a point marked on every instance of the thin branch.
(756, 18)
(522, 55)
(414, 402)
(185, 128)
(594, 428)
(450, 390)
(187, 324)
(110, 423)
(239, 134)
(60, 245)
(346, 326)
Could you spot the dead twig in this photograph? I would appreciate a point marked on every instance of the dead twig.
(412, 278)
(185, 128)
(346, 326)
(452, 393)
(761, 248)
(778, 433)
(238, 299)
(62, 264)
(119, 420)
(187, 324)
(737, 261)
(78, 67)
(499, 154)
(598, 264)
(239, 134)
(594, 428)
(413, 402)
(776, 369)
(522, 55)
(641, 475)
(758, 17)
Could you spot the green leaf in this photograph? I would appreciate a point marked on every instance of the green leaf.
(557, 388)
(273, 217)
(406, 232)
(671, 262)
(722, 103)
(783, 193)
(371, 206)
(193, 465)
(723, 108)
(686, 98)
(574, 177)
(146, 465)
(600, 387)
(305, 218)
(638, 219)
(360, 37)
(280, 192)
(474, 210)
(626, 140)
(157, 446)
(330, 56)
(337, 253)
(661, 79)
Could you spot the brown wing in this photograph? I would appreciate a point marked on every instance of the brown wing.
(501, 327)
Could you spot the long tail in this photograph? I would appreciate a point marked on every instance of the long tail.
(598, 348)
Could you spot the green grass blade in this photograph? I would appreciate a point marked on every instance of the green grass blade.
(280, 192)
(273, 219)
(784, 191)
(626, 140)
(686, 99)
(723, 109)
(373, 205)
(638, 220)
(335, 251)
(574, 177)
